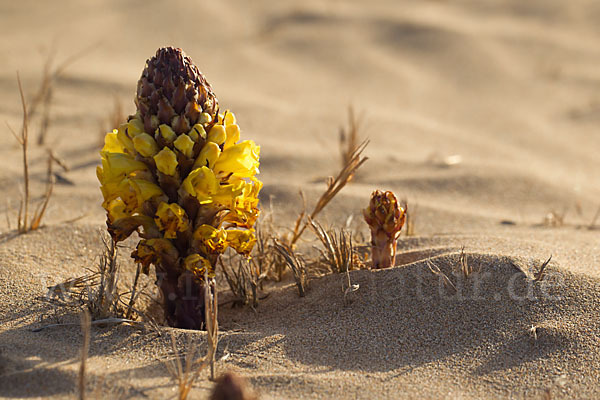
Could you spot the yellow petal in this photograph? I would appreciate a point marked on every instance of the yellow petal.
(185, 145)
(233, 135)
(197, 132)
(171, 218)
(145, 145)
(124, 139)
(116, 210)
(240, 160)
(201, 183)
(208, 155)
(167, 133)
(145, 190)
(229, 118)
(166, 161)
(135, 127)
(217, 134)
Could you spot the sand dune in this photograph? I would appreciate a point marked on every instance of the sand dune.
(512, 87)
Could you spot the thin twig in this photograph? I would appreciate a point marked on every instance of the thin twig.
(85, 327)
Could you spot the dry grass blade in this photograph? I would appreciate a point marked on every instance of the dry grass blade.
(437, 271)
(539, 275)
(464, 266)
(86, 328)
(296, 264)
(333, 187)
(103, 300)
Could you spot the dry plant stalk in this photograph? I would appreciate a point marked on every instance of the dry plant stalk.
(349, 138)
(212, 322)
(295, 263)
(86, 328)
(465, 268)
(23, 223)
(333, 188)
(244, 281)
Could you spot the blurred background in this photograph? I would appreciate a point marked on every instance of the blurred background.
(510, 89)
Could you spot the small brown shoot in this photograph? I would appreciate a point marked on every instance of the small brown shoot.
(539, 275)
(295, 263)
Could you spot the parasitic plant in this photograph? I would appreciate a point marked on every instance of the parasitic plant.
(177, 174)
(385, 219)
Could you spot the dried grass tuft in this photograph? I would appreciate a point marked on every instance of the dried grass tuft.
(349, 138)
(338, 252)
(296, 263)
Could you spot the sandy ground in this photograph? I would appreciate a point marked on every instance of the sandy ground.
(513, 87)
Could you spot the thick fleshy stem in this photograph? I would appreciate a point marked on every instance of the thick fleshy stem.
(183, 300)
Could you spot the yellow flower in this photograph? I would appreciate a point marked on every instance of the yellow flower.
(115, 210)
(210, 239)
(116, 166)
(145, 145)
(241, 160)
(202, 184)
(241, 241)
(217, 134)
(198, 265)
(245, 211)
(171, 218)
(124, 139)
(166, 161)
(185, 145)
(205, 118)
(208, 155)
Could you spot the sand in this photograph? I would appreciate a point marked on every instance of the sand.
(512, 87)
